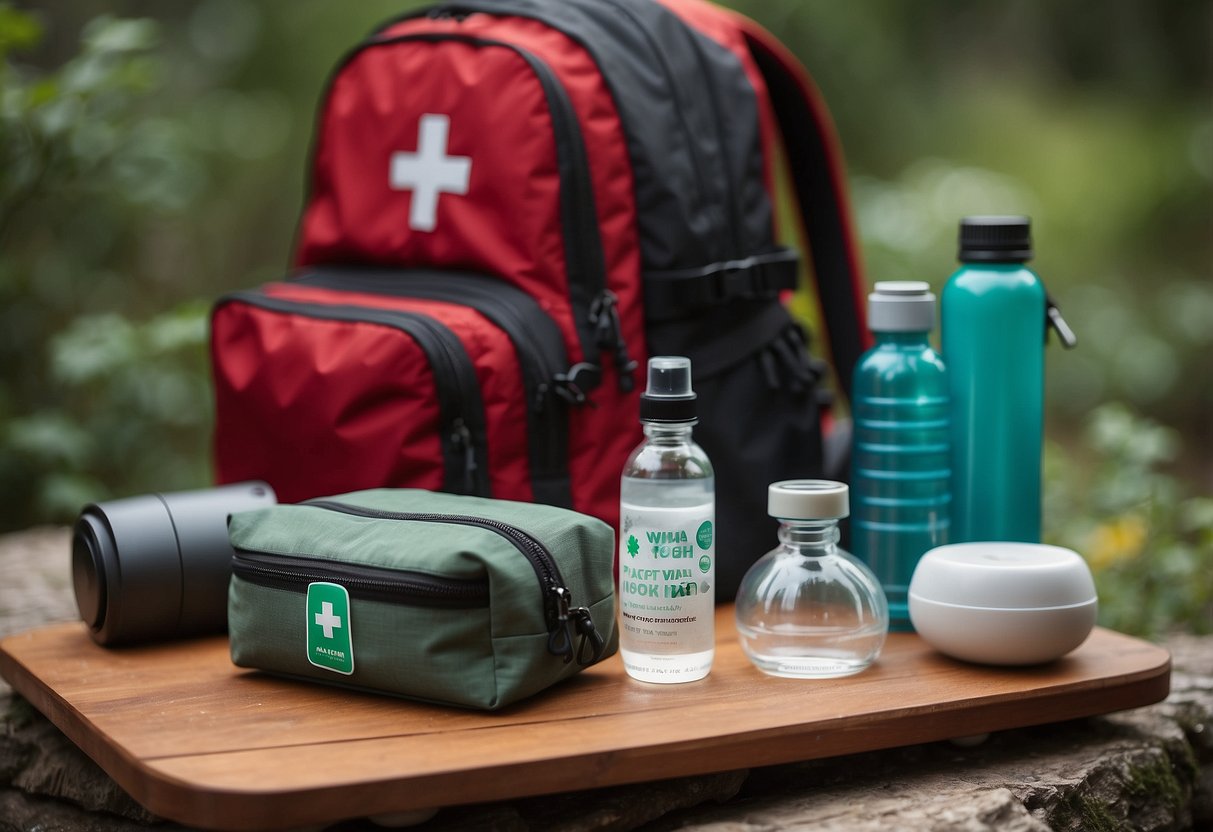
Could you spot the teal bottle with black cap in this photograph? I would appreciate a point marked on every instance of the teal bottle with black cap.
(900, 474)
(995, 318)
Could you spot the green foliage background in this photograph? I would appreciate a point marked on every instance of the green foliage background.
(152, 156)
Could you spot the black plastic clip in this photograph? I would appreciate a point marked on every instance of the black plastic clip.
(461, 440)
(604, 316)
(1057, 323)
(574, 385)
(590, 637)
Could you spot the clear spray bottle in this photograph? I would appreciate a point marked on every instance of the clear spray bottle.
(667, 557)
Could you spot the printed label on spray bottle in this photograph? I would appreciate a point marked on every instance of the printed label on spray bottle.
(667, 576)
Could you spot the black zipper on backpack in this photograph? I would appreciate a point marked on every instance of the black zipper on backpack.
(563, 619)
(601, 312)
(361, 581)
(594, 305)
(461, 413)
(551, 385)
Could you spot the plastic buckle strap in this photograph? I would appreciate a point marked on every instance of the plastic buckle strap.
(670, 293)
(736, 279)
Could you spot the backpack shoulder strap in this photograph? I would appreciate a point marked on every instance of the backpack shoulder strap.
(815, 164)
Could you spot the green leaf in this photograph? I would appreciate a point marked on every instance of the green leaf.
(106, 34)
(18, 30)
(182, 328)
(43, 91)
(63, 494)
(1196, 515)
(92, 347)
(49, 438)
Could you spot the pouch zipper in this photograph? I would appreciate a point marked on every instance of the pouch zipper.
(550, 384)
(461, 413)
(362, 581)
(594, 305)
(563, 619)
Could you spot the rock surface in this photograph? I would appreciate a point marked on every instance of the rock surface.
(1148, 769)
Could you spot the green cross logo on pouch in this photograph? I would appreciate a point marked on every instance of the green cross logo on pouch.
(329, 643)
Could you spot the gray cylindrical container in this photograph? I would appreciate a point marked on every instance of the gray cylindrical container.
(157, 566)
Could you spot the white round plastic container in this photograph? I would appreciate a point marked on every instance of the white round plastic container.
(1003, 603)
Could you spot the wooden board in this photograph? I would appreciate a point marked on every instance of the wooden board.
(197, 740)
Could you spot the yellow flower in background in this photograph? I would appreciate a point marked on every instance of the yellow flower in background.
(1117, 540)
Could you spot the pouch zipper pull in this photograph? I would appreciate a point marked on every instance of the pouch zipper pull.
(590, 637)
(570, 620)
(604, 316)
(461, 440)
(560, 637)
(1054, 319)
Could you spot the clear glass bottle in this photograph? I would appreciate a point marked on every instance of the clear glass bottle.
(667, 557)
(808, 609)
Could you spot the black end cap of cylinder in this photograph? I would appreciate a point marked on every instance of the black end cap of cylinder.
(90, 539)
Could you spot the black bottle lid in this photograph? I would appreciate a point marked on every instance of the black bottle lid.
(995, 239)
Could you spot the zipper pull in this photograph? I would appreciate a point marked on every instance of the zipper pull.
(604, 315)
(568, 620)
(560, 636)
(590, 637)
(1054, 319)
(461, 440)
(572, 386)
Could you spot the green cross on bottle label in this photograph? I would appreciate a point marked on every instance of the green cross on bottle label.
(329, 643)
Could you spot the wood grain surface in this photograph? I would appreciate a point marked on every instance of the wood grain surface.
(200, 741)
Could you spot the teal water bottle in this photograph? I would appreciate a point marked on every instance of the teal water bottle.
(900, 474)
(995, 314)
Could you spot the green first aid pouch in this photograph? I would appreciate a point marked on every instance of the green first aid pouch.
(455, 600)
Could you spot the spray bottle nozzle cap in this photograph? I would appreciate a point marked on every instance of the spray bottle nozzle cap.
(669, 375)
(669, 397)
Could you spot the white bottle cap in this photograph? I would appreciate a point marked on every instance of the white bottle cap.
(901, 306)
(808, 500)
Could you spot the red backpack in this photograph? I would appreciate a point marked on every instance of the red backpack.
(513, 204)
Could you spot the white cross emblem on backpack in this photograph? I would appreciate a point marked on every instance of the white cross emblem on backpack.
(429, 172)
